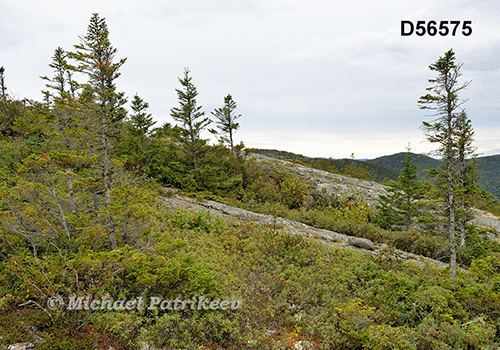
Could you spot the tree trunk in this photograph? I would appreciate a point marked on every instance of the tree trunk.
(107, 179)
(453, 244)
(463, 205)
(450, 160)
(231, 141)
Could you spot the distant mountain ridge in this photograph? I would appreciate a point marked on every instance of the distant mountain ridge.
(389, 167)
(488, 168)
(380, 173)
(394, 162)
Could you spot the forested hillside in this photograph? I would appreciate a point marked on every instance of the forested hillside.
(488, 168)
(394, 162)
(94, 256)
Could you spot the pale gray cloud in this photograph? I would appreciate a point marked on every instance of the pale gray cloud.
(316, 77)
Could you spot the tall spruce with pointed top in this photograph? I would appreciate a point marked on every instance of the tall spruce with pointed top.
(442, 97)
(226, 122)
(141, 120)
(191, 118)
(95, 57)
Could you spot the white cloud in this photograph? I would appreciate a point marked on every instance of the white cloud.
(326, 70)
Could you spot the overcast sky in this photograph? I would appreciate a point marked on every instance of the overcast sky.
(317, 77)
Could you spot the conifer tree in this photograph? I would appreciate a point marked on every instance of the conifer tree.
(60, 93)
(141, 120)
(442, 97)
(467, 174)
(62, 82)
(58, 83)
(191, 118)
(357, 169)
(95, 58)
(226, 122)
(402, 205)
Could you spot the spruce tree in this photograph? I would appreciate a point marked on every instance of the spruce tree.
(60, 94)
(95, 58)
(403, 203)
(61, 81)
(442, 97)
(10, 109)
(141, 120)
(467, 174)
(357, 169)
(191, 118)
(226, 122)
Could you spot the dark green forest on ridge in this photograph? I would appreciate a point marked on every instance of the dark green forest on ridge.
(83, 188)
(389, 167)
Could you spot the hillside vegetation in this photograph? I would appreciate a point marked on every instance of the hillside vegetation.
(84, 191)
(394, 162)
(488, 168)
(351, 167)
(388, 167)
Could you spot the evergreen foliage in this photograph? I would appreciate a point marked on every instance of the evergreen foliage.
(348, 167)
(62, 84)
(141, 120)
(442, 97)
(82, 213)
(468, 188)
(226, 122)
(488, 168)
(394, 162)
(489, 172)
(94, 57)
(191, 119)
(403, 204)
(358, 170)
(3, 87)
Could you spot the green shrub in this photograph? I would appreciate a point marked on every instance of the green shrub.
(385, 337)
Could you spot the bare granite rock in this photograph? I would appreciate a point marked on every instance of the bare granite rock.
(485, 219)
(362, 243)
(329, 238)
(329, 184)
(21, 346)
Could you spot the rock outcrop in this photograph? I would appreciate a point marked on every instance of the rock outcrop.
(323, 183)
(329, 238)
(21, 346)
(362, 243)
(485, 219)
(329, 184)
